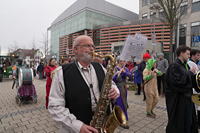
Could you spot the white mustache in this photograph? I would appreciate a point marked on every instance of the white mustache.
(86, 57)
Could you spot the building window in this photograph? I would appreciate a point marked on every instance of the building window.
(145, 2)
(153, 1)
(144, 16)
(183, 8)
(195, 5)
(152, 14)
(195, 34)
(161, 13)
(182, 34)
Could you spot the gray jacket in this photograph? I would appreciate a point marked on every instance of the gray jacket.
(162, 65)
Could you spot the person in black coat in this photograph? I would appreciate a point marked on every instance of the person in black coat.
(180, 108)
(40, 70)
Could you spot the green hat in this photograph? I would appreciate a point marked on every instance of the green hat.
(150, 63)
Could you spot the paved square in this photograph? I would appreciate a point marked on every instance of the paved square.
(34, 118)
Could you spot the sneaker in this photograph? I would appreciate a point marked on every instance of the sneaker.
(150, 115)
(153, 113)
(126, 126)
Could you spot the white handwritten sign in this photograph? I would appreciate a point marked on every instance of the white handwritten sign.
(134, 46)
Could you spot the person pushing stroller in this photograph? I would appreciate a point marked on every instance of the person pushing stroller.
(23, 80)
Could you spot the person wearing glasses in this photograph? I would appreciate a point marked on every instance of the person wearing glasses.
(76, 89)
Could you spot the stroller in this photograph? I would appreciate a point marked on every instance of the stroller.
(25, 88)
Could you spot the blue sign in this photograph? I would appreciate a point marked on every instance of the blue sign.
(196, 39)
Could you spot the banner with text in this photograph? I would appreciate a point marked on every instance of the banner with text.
(133, 47)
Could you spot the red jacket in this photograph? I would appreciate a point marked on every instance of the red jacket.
(130, 66)
(48, 70)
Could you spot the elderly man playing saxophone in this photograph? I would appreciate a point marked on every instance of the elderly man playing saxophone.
(76, 89)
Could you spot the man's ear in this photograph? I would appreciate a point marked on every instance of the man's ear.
(74, 49)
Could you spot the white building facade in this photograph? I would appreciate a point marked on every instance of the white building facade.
(189, 25)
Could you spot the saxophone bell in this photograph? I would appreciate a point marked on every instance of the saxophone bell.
(115, 119)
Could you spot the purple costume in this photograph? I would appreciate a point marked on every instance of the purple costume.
(27, 90)
(121, 84)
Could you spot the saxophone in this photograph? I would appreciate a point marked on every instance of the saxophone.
(103, 122)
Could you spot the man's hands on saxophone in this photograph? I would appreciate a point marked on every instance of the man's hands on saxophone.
(113, 94)
(88, 129)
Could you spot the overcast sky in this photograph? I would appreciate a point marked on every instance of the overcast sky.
(23, 22)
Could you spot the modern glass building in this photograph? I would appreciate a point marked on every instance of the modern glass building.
(84, 15)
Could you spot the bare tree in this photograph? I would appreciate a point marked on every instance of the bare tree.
(13, 47)
(172, 13)
(45, 46)
(33, 43)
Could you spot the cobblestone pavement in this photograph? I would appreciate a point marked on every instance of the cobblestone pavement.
(35, 118)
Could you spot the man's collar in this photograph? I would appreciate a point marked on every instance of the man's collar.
(181, 61)
(82, 67)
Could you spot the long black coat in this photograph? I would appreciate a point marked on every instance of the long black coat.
(180, 108)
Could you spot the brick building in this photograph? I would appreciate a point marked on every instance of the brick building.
(106, 36)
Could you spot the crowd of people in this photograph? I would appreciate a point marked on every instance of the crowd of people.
(181, 80)
(73, 88)
(150, 75)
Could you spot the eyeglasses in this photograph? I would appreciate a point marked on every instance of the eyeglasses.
(87, 46)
